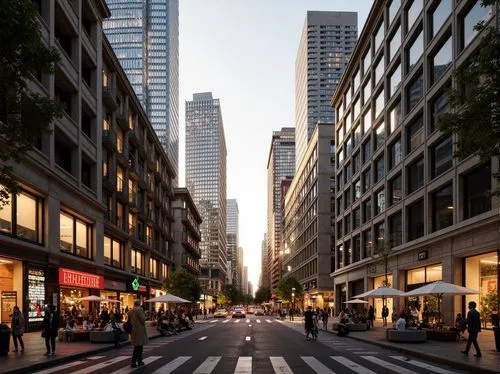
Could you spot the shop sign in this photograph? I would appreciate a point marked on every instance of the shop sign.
(424, 255)
(36, 295)
(135, 284)
(142, 289)
(78, 279)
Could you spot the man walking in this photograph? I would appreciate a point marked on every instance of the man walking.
(139, 335)
(50, 326)
(474, 327)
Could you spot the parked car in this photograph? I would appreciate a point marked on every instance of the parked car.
(220, 313)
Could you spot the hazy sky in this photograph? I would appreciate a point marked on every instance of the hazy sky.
(244, 52)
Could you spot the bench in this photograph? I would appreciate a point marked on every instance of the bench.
(406, 336)
(352, 326)
(106, 336)
(72, 336)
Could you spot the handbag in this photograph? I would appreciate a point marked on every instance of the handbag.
(127, 327)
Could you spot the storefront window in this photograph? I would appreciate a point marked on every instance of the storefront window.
(378, 302)
(481, 273)
(137, 262)
(36, 295)
(419, 277)
(11, 286)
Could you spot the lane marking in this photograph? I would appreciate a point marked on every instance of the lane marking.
(208, 365)
(226, 321)
(268, 321)
(388, 365)
(280, 366)
(61, 367)
(249, 325)
(95, 357)
(352, 365)
(202, 338)
(258, 321)
(248, 338)
(317, 366)
(128, 369)
(244, 365)
(172, 365)
(213, 321)
(247, 321)
(422, 365)
(102, 365)
(236, 321)
(367, 353)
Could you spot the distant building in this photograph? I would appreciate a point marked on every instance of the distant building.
(232, 241)
(250, 288)
(245, 280)
(264, 268)
(239, 269)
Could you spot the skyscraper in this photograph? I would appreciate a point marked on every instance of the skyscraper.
(145, 37)
(264, 268)
(280, 166)
(245, 280)
(327, 41)
(206, 181)
(232, 241)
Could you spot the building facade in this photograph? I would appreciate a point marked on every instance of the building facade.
(308, 214)
(280, 165)
(397, 180)
(239, 269)
(145, 37)
(264, 280)
(326, 43)
(186, 231)
(206, 181)
(245, 280)
(232, 241)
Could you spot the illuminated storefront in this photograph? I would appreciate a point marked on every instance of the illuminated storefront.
(419, 277)
(11, 286)
(378, 302)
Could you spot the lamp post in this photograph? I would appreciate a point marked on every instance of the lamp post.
(293, 303)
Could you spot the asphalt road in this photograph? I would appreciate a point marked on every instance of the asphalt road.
(252, 345)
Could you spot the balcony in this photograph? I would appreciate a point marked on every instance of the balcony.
(121, 190)
(109, 96)
(133, 138)
(186, 219)
(133, 168)
(109, 139)
(191, 245)
(108, 182)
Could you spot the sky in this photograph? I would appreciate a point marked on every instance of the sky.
(243, 51)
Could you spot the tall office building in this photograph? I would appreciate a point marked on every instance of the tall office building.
(264, 268)
(245, 280)
(280, 166)
(239, 269)
(232, 241)
(327, 41)
(145, 38)
(206, 181)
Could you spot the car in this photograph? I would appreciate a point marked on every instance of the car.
(259, 312)
(239, 313)
(220, 313)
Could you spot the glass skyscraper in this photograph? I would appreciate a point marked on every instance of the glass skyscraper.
(206, 180)
(145, 37)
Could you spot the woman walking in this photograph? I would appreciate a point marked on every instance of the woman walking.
(18, 327)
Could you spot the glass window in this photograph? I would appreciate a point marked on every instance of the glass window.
(415, 134)
(356, 163)
(380, 232)
(357, 77)
(367, 60)
(367, 150)
(477, 186)
(415, 51)
(379, 136)
(75, 236)
(6, 216)
(356, 248)
(379, 168)
(348, 97)
(379, 70)
(475, 15)
(442, 208)
(412, 13)
(82, 245)
(395, 117)
(441, 61)
(367, 121)
(137, 262)
(347, 252)
(395, 190)
(379, 103)
(438, 107)
(366, 181)
(367, 243)
(340, 134)
(340, 156)
(395, 81)
(416, 175)
(357, 135)
(347, 224)
(66, 232)
(442, 157)
(356, 192)
(396, 153)
(379, 36)
(393, 9)
(367, 91)
(367, 211)
(356, 108)
(379, 201)
(340, 111)
(396, 229)
(439, 15)
(415, 276)
(107, 250)
(348, 122)
(414, 93)
(395, 43)
(416, 220)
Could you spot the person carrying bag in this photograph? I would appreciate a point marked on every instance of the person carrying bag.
(18, 326)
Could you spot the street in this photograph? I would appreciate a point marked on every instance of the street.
(253, 345)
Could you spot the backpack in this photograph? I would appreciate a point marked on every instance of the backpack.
(127, 327)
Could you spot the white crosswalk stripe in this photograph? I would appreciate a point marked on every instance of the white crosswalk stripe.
(317, 366)
(60, 367)
(352, 365)
(128, 369)
(244, 365)
(388, 365)
(208, 365)
(247, 321)
(213, 321)
(258, 321)
(172, 365)
(422, 365)
(268, 320)
(101, 365)
(236, 321)
(226, 321)
(280, 366)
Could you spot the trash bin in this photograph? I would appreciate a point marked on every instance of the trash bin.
(496, 332)
(4, 340)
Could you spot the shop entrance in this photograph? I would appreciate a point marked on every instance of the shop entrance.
(11, 286)
(378, 302)
(423, 306)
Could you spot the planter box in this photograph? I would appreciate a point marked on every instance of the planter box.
(406, 336)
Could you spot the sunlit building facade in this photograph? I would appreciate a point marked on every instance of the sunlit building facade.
(232, 241)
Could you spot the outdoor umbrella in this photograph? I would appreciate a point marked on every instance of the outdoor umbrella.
(356, 301)
(92, 298)
(168, 298)
(439, 289)
(380, 292)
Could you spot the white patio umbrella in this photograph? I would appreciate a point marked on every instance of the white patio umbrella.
(356, 301)
(168, 298)
(380, 292)
(92, 298)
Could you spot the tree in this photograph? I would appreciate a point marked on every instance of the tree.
(381, 251)
(474, 99)
(284, 289)
(183, 284)
(230, 295)
(24, 115)
(247, 299)
(262, 295)
(488, 303)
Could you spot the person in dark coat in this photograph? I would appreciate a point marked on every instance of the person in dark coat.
(473, 322)
(18, 326)
(50, 326)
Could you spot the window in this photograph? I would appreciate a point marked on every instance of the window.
(396, 229)
(379, 232)
(393, 9)
(379, 136)
(395, 190)
(356, 218)
(416, 220)
(395, 117)
(477, 185)
(439, 15)
(367, 60)
(412, 13)
(442, 208)
(441, 61)
(366, 181)
(153, 268)
(356, 192)
(438, 107)
(347, 253)
(415, 51)
(367, 121)
(356, 249)
(395, 81)
(415, 134)
(356, 81)
(414, 93)
(356, 163)
(347, 198)
(379, 169)
(367, 243)
(348, 97)
(379, 70)
(442, 157)
(112, 252)
(367, 91)
(416, 175)
(379, 103)
(75, 235)
(340, 156)
(347, 224)
(340, 229)
(396, 153)
(367, 150)
(475, 15)
(120, 181)
(137, 262)
(395, 43)
(357, 135)
(355, 109)
(367, 211)
(164, 271)
(340, 135)
(379, 201)
(22, 217)
(379, 36)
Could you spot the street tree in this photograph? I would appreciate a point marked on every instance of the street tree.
(248, 299)
(24, 115)
(285, 287)
(183, 284)
(262, 295)
(230, 295)
(381, 251)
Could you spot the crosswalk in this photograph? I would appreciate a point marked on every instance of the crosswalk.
(244, 364)
(233, 320)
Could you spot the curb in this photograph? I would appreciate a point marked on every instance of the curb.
(65, 359)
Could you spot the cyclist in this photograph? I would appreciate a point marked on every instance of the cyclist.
(309, 321)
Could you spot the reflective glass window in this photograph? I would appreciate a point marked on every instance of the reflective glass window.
(395, 117)
(415, 134)
(394, 43)
(477, 186)
(379, 168)
(415, 51)
(367, 60)
(396, 153)
(367, 121)
(442, 157)
(396, 229)
(413, 12)
(367, 91)
(393, 9)
(442, 208)
(379, 103)
(379, 70)
(395, 190)
(438, 107)
(475, 15)
(379, 201)
(441, 61)
(416, 220)
(379, 36)
(439, 15)
(395, 81)
(416, 175)
(380, 136)
(414, 93)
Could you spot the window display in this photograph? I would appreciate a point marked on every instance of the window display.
(36, 295)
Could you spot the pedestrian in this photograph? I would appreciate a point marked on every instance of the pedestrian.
(50, 326)
(325, 319)
(385, 314)
(205, 313)
(494, 317)
(291, 314)
(18, 326)
(139, 335)
(473, 322)
(371, 316)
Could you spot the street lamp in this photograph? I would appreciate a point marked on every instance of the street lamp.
(293, 301)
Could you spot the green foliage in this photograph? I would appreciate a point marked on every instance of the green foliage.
(475, 100)
(183, 284)
(230, 295)
(284, 289)
(262, 295)
(488, 303)
(382, 250)
(247, 299)
(23, 115)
